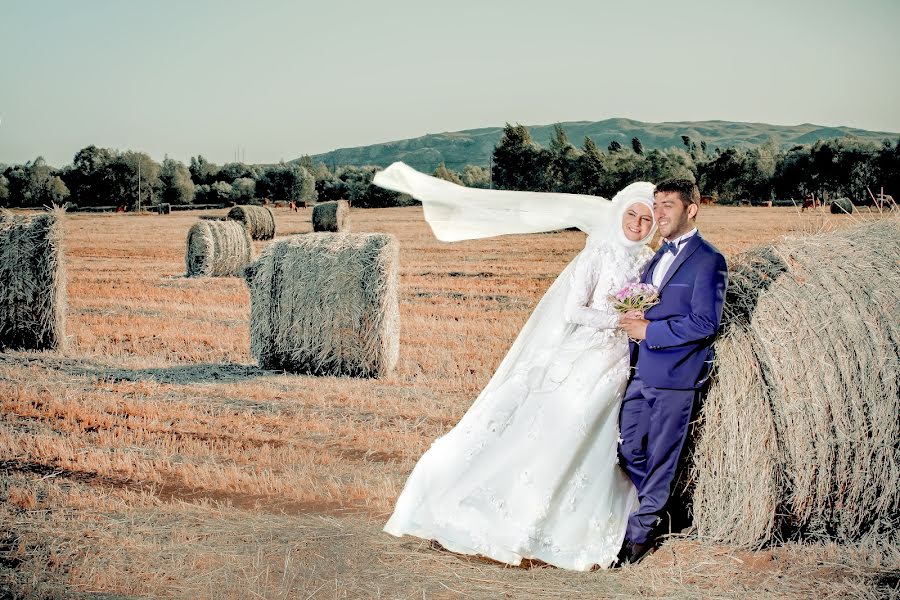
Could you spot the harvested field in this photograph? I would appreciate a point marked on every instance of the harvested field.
(154, 459)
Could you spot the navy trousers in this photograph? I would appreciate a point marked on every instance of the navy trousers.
(653, 425)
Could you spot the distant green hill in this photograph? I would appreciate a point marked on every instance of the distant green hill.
(474, 146)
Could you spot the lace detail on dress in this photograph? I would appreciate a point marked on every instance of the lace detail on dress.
(530, 470)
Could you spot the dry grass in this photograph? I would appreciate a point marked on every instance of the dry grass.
(259, 220)
(331, 216)
(801, 430)
(32, 281)
(153, 458)
(217, 248)
(326, 304)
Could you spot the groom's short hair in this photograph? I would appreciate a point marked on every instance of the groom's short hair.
(686, 189)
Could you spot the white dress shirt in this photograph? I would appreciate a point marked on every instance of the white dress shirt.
(666, 260)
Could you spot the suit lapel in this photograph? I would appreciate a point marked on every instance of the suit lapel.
(689, 248)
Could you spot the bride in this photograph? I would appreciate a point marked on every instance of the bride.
(530, 470)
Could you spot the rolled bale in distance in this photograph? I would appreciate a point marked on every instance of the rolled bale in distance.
(259, 220)
(326, 304)
(800, 430)
(217, 249)
(164, 208)
(841, 206)
(32, 281)
(331, 216)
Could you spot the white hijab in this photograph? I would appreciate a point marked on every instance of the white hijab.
(457, 213)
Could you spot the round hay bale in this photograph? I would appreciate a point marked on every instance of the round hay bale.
(164, 208)
(800, 429)
(213, 218)
(841, 206)
(259, 220)
(326, 304)
(32, 281)
(217, 249)
(331, 216)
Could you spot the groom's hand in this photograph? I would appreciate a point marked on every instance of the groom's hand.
(635, 328)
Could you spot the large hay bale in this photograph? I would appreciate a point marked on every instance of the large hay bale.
(326, 304)
(331, 216)
(217, 249)
(259, 220)
(800, 430)
(32, 281)
(841, 206)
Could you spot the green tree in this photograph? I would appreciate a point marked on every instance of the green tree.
(243, 190)
(307, 163)
(56, 191)
(442, 172)
(727, 176)
(519, 163)
(614, 146)
(562, 167)
(474, 176)
(89, 177)
(658, 165)
(202, 171)
(4, 191)
(637, 146)
(287, 181)
(590, 170)
(176, 185)
(621, 168)
(33, 185)
(219, 192)
(232, 171)
(356, 187)
(887, 169)
(132, 178)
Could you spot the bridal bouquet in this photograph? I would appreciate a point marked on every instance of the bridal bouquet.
(635, 297)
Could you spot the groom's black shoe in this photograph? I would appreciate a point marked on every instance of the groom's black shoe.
(632, 553)
(639, 551)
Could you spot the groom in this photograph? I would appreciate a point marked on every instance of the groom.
(672, 363)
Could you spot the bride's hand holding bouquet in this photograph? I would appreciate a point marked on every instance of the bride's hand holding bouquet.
(631, 302)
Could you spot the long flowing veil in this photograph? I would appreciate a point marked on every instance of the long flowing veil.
(457, 213)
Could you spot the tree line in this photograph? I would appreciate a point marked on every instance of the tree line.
(840, 167)
(105, 177)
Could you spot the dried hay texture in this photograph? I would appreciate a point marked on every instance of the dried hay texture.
(217, 249)
(32, 281)
(326, 304)
(259, 220)
(800, 430)
(841, 206)
(331, 216)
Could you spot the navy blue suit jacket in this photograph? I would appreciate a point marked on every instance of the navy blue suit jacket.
(677, 352)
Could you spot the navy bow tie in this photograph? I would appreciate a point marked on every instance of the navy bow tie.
(669, 247)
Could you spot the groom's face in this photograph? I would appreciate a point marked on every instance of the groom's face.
(672, 217)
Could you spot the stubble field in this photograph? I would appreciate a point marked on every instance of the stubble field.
(153, 459)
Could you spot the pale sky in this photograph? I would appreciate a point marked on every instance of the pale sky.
(281, 79)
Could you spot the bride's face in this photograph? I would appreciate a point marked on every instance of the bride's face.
(637, 221)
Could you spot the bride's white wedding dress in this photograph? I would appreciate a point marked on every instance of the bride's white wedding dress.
(530, 470)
